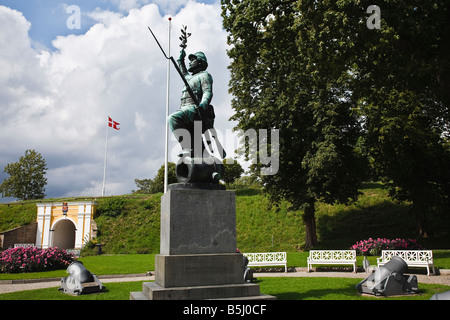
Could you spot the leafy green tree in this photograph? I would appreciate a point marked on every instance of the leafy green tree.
(143, 185)
(26, 179)
(156, 185)
(283, 77)
(401, 79)
(315, 69)
(233, 170)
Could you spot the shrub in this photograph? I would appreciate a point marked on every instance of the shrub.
(372, 247)
(32, 259)
(112, 207)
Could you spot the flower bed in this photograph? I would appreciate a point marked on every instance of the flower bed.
(18, 260)
(372, 247)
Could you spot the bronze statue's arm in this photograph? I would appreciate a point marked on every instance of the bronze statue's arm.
(181, 63)
(207, 83)
(182, 55)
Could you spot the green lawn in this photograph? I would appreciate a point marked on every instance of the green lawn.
(99, 265)
(332, 289)
(285, 288)
(113, 291)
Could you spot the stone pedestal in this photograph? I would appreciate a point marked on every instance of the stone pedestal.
(198, 258)
(198, 222)
(198, 270)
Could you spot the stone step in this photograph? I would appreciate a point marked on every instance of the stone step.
(153, 291)
(138, 296)
(262, 296)
(141, 296)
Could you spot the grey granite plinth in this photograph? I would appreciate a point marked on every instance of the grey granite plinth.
(198, 258)
(199, 270)
(198, 222)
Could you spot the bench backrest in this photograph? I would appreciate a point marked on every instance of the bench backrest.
(408, 255)
(266, 257)
(332, 255)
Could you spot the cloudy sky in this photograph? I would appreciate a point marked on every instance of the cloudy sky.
(62, 75)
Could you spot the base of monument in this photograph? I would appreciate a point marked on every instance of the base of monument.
(199, 277)
(199, 270)
(245, 291)
(198, 258)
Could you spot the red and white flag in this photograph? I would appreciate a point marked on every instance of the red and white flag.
(113, 124)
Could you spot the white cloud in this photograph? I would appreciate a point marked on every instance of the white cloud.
(57, 102)
(166, 6)
(127, 5)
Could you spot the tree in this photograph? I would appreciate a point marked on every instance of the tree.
(26, 178)
(401, 79)
(412, 157)
(233, 170)
(156, 185)
(282, 77)
(144, 186)
(315, 69)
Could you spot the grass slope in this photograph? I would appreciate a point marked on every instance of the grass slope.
(131, 224)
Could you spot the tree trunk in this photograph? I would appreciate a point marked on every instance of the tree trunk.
(421, 219)
(310, 223)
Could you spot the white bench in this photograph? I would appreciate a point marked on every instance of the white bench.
(263, 259)
(332, 257)
(414, 258)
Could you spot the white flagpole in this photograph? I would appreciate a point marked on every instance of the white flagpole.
(106, 149)
(166, 151)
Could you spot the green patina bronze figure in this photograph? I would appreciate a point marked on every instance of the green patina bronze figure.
(195, 119)
(201, 83)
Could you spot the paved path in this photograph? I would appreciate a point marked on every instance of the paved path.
(13, 286)
(421, 278)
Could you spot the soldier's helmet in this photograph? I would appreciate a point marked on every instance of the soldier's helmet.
(201, 59)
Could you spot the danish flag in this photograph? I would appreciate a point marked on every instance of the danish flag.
(113, 124)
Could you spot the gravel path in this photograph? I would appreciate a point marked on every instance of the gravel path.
(13, 286)
(443, 278)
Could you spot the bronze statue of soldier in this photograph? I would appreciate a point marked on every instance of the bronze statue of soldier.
(201, 83)
(197, 167)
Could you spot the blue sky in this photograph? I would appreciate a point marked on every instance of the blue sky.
(48, 17)
(59, 85)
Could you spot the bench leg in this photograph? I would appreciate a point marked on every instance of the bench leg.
(428, 270)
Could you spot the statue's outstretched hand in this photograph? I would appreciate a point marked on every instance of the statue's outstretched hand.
(182, 54)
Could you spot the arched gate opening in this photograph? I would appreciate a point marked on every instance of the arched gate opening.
(64, 235)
